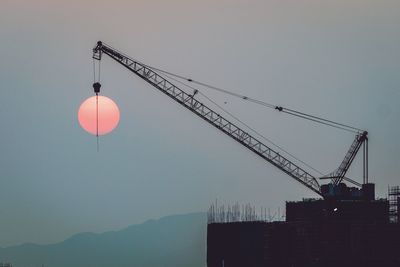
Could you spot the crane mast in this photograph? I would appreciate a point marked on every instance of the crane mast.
(243, 137)
(337, 176)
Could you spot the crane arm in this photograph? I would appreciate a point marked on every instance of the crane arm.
(338, 175)
(191, 103)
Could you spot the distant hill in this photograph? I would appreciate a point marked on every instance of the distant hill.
(173, 241)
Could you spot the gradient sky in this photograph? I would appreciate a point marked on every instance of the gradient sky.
(337, 59)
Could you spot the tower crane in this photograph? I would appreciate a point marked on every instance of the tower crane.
(336, 189)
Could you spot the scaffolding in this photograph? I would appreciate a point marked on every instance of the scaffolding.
(394, 203)
(242, 213)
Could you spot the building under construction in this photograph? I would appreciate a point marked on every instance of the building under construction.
(316, 233)
(348, 226)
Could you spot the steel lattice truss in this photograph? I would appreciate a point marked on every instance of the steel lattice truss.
(212, 117)
(338, 175)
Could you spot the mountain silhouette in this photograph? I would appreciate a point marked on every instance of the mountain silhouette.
(173, 241)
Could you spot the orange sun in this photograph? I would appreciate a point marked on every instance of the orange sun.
(108, 115)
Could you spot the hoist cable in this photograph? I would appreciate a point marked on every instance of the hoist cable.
(253, 100)
(322, 122)
(97, 121)
(94, 71)
(99, 70)
(97, 102)
(325, 120)
(246, 125)
(263, 103)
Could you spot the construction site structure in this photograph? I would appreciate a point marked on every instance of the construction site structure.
(394, 203)
(336, 189)
(347, 226)
(315, 233)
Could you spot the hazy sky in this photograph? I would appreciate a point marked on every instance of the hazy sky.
(337, 59)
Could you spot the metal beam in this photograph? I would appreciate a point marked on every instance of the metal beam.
(188, 101)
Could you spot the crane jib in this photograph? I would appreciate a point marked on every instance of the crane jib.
(212, 117)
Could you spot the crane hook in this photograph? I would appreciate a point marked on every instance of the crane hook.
(96, 87)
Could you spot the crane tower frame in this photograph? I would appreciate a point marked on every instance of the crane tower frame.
(230, 129)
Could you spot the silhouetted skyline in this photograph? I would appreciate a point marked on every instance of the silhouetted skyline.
(336, 59)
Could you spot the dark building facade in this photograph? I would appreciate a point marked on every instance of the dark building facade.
(316, 233)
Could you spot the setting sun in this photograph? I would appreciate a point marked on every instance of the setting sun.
(108, 115)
